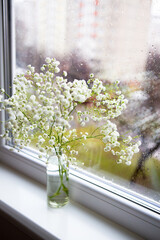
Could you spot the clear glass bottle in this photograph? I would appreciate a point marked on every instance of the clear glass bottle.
(57, 181)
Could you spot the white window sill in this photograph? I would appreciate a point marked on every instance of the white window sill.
(25, 200)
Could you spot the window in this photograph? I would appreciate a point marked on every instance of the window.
(91, 36)
(115, 40)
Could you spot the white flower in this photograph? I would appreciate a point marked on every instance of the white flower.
(129, 138)
(135, 149)
(84, 137)
(48, 60)
(128, 163)
(79, 98)
(28, 72)
(2, 90)
(41, 140)
(64, 73)
(57, 70)
(86, 119)
(119, 161)
(32, 69)
(138, 143)
(100, 97)
(117, 82)
(118, 92)
(51, 142)
(36, 117)
(33, 98)
(107, 148)
(55, 63)
(91, 75)
(106, 139)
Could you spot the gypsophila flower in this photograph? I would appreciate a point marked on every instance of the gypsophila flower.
(48, 60)
(91, 75)
(44, 106)
(64, 73)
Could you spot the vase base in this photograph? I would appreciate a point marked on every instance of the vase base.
(58, 203)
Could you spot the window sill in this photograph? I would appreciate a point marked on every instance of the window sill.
(104, 201)
(25, 200)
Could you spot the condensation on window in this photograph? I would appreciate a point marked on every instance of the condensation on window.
(117, 39)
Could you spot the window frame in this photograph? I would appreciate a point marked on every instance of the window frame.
(83, 189)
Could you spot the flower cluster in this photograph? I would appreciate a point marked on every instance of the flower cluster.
(45, 107)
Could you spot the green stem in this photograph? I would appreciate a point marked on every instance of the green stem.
(71, 111)
(62, 134)
(80, 138)
(31, 120)
(95, 130)
(62, 171)
(6, 94)
(51, 128)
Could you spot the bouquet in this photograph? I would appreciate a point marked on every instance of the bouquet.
(45, 106)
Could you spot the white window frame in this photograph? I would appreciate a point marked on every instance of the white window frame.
(106, 200)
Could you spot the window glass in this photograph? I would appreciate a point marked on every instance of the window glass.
(116, 40)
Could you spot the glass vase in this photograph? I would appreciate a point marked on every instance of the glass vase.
(57, 181)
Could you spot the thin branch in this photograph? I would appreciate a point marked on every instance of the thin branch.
(142, 160)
